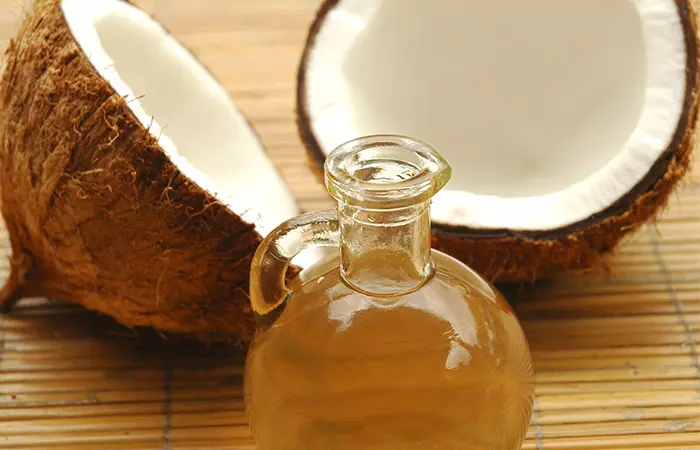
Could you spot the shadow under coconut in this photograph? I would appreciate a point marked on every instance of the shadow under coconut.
(614, 319)
(69, 370)
(74, 338)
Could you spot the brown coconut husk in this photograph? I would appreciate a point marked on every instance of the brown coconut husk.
(526, 256)
(97, 214)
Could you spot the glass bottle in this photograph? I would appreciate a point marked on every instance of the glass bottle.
(388, 344)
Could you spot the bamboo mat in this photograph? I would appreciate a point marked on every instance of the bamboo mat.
(616, 353)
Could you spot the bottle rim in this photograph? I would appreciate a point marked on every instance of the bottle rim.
(385, 171)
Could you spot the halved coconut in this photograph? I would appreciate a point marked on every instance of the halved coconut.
(567, 123)
(130, 182)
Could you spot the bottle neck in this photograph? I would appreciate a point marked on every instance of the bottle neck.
(385, 252)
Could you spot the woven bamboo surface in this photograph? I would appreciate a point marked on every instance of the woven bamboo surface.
(616, 353)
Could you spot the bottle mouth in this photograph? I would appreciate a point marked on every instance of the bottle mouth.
(385, 171)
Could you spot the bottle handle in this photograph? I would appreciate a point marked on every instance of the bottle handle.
(268, 287)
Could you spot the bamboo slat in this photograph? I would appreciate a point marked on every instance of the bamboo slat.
(616, 352)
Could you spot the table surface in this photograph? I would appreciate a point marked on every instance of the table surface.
(615, 354)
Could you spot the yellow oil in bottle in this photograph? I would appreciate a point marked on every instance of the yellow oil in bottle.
(445, 366)
(388, 345)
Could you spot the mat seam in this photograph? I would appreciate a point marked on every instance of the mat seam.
(7, 252)
(688, 339)
(539, 435)
(2, 338)
(167, 406)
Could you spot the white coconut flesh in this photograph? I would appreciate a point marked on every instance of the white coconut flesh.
(183, 106)
(549, 111)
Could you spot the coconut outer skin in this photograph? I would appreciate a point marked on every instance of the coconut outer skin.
(524, 255)
(97, 214)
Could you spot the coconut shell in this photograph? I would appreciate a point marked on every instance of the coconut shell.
(524, 255)
(97, 213)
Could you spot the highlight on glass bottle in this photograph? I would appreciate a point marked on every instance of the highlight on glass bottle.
(388, 344)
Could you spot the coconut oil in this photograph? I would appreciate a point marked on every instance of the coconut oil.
(387, 345)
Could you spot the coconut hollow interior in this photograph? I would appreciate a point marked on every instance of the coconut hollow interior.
(182, 105)
(549, 111)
